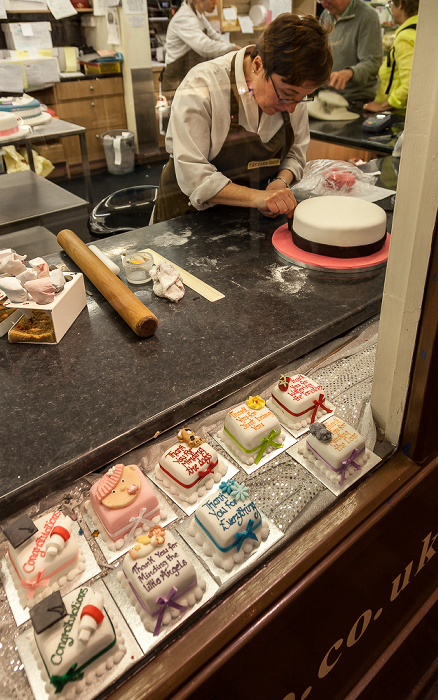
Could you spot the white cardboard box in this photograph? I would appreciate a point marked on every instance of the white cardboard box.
(65, 308)
(33, 35)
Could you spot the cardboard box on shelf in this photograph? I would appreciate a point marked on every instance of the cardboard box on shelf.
(27, 35)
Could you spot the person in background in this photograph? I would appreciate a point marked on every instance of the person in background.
(239, 130)
(395, 71)
(190, 39)
(357, 48)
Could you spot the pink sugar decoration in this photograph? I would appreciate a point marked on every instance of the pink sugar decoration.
(109, 481)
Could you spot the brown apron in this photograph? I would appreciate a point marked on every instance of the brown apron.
(243, 158)
(172, 75)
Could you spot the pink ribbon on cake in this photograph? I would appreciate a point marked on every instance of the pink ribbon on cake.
(38, 582)
(344, 464)
(8, 132)
(316, 404)
(167, 603)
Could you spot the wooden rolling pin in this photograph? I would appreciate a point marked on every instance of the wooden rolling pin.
(138, 317)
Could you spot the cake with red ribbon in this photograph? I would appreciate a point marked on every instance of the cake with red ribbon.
(43, 555)
(334, 448)
(123, 504)
(298, 401)
(76, 641)
(190, 467)
(251, 431)
(228, 525)
(160, 580)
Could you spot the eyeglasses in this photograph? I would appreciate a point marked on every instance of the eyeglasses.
(287, 100)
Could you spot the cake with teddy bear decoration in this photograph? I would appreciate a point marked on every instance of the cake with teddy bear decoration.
(189, 468)
(76, 641)
(334, 448)
(228, 526)
(43, 555)
(159, 579)
(122, 505)
(251, 431)
(297, 401)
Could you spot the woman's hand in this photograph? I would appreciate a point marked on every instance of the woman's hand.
(377, 106)
(278, 199)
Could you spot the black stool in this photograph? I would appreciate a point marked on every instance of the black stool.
(124, 210)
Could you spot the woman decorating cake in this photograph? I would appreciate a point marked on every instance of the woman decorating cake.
(239, 130)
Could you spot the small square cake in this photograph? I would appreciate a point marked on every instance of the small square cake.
(42, 555)
(297, 401)
(228, 526)
(251, 431)
(335, 448)
(190, 468)
(122, 505)
(160, 579)
(76, 640)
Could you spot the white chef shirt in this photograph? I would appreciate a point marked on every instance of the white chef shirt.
(186, 31)
(199, 124)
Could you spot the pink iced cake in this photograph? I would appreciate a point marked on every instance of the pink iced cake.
(123, 504)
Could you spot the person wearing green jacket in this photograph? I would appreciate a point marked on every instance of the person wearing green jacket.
(395, 71)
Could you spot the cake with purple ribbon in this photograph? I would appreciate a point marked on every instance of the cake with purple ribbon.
(160, 580)
(228, 525)
(297, 401)
(251, 431)
(123, 504)
(334, 448)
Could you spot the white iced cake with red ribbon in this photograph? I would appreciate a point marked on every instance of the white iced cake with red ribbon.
(123, 504)
(298, 401)
(335, 448)
(43, 555)
(228, 525)
(190, 468)
(159, 578)
(251, 431)
(76, 640)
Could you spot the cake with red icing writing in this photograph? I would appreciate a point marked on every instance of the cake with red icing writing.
(251, 431)
(76, 641)
(123, 504)
(297, 401)
(228, 525)
(334, 448)
(190, 467)
(160, 580)
(42, 555)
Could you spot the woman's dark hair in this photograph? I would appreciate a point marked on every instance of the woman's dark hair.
(296, 47)
(410, 7)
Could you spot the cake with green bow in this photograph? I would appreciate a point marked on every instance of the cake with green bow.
(251, 431)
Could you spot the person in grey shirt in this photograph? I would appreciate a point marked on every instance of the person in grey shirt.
(357, 48)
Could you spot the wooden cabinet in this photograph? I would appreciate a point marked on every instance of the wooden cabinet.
(97, 104)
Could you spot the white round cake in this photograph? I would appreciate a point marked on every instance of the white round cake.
(341, 227)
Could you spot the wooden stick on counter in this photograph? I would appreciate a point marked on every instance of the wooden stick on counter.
(138, 317)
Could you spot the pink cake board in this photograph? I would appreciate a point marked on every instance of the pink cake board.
(250, 468)
(27, 649)
(190, 508)
(285, 247)
(336, 489)
(92, 568)
(301, 431)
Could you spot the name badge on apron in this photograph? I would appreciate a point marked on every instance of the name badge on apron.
(253, 164)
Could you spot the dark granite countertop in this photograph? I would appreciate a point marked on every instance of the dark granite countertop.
(350, 133)
(102, 391)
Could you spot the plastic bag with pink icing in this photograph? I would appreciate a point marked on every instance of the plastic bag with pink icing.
(333, 177)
